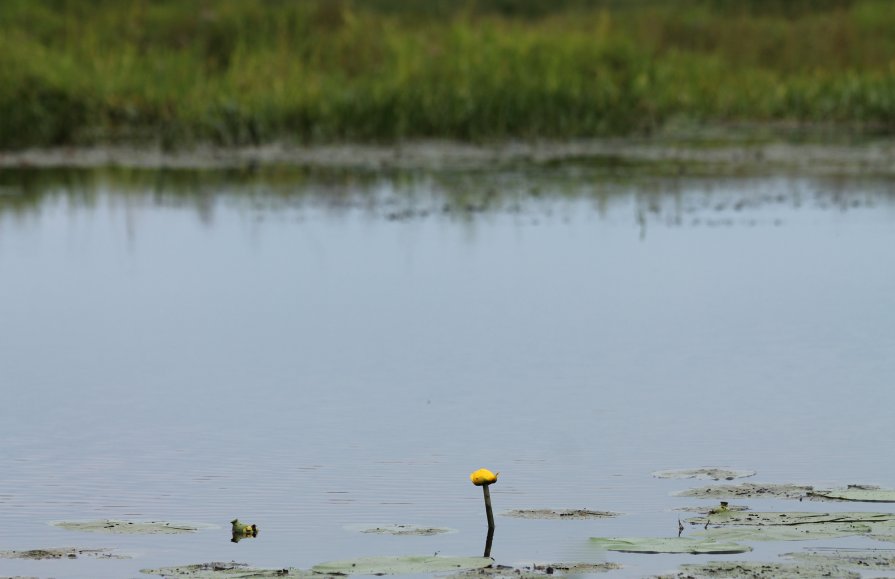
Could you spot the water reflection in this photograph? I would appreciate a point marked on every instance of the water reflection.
(530, 195)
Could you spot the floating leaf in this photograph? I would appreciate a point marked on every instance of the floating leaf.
(226, 571)
(705, 509)
(759, 570)
(752, 518)
(559, 514)
(668, 545)
(804, 532)
(706, 472)
(63, 553)
(131, 527)
(859, 493)
(402, 565)
(400, 530)
(748, 490)
(536, 571)
(867, 559)
(790, 526)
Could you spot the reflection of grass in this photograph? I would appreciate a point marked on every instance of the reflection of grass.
(247, 72)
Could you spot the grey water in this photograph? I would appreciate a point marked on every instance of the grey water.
(313, 350)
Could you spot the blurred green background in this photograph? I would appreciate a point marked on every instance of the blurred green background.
(236, 72)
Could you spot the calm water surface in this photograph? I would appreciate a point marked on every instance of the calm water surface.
(313, 351)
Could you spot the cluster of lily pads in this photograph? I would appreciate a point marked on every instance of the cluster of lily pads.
(723, 529)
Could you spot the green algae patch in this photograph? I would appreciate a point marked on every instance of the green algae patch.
(400, 530)
(758, 570)
(865, 559)
(536, 571)
(221, 570)
(695, 546)
(402, 565)
(565, 514)
(62, 553)
(857, 493)
(749, 491)
(131, 527)
(712, 473)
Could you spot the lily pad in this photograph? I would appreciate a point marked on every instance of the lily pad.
(402, 565)
(759, 570)
(804, 532)
(748, 490)
(63, 553)
(559, 514)
(706, 509)
(858, 493)
(712, 473)
(790, 519)
(668, 545)
(230, 570)
(400, 530)
(868, 559)
(536, 571)
(131, 527)
(790, 526)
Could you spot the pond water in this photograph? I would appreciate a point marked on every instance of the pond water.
(315, 350)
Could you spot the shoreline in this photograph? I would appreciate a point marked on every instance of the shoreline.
(871, 156)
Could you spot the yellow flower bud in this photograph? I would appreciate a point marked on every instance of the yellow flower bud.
(483, 476)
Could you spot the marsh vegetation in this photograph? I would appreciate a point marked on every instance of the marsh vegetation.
(174, 72)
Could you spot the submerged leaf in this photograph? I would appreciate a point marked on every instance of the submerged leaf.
(536, 571)
(781, 533)
(668, 545)
(712, 473)
(131, 527)
(868, 559)
(559, 514)
(760, 570)
(226, 571)
(63, 553)
(402, 565)
(789, 526)
(749, 490)
(793, 518)
(858, 493)
(400, 530)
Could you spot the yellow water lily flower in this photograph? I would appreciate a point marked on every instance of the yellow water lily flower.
(244, 529)
(483, 476)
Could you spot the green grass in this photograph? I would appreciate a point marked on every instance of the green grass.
(255, 71)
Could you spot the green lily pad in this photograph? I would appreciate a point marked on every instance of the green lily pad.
(668, 545)
(760, 570)
(402, 565)
(566, 514)
(230, 570)
(804, 532)
(859, 493)
(63, 553)
(131, 527)
(790, 519)
(400, 530)
(748, 490)
(707, 509)
(867, 559)
(712, 473)
(790, 526)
